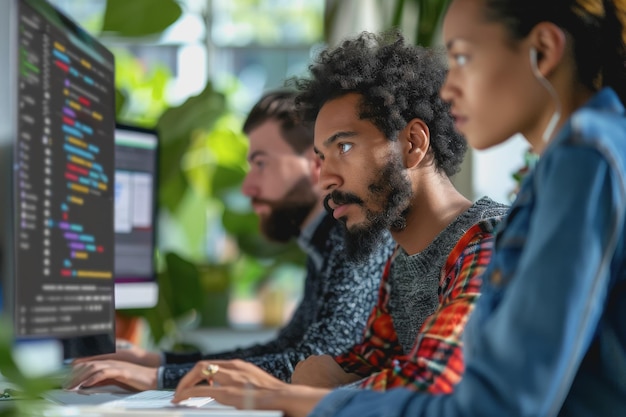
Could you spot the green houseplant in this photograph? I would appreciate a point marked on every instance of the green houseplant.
(203, 128)
(202, 165)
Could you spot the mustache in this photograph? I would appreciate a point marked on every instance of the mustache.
(340, 198)
(262, 201)
(273, 204)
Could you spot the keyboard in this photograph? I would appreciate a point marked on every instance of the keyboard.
(112, 396)
(155, 399)
(87, 396)
(112, 401)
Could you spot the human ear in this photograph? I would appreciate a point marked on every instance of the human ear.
(548, 42)
(417, 141)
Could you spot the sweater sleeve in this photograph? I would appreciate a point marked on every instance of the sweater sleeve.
(329, 320)
(379, 342)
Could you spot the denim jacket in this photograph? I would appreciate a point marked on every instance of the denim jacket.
(548, 336)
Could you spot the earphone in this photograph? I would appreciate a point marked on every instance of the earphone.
(533, 59)
(547, 133)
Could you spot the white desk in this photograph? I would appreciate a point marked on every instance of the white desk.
(91, 406)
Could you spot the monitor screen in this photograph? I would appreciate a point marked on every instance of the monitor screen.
(57, 118)
(135, 211)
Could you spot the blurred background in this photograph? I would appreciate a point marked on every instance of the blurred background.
(192, 69)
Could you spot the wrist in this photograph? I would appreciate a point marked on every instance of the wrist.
(294, 400)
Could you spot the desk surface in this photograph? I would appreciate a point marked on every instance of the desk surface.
(90, 402)
(55, 410)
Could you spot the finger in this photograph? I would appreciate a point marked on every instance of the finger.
(195, 391)
(131, 379)
(92, 378)
(194, 376)
(108, 356)
(79, 373)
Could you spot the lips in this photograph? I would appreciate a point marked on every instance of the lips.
(260, 208)
(459, 120)
(339, 211)
(335, 210)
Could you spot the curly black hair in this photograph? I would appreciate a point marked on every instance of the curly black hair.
(397, 82)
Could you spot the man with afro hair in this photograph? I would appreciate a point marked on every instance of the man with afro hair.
(388, 148)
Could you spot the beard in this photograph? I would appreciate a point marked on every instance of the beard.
(287, 215)
(392, 191)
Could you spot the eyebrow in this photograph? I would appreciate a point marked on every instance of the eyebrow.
(451, 43)
(255, 154)
(339, 135)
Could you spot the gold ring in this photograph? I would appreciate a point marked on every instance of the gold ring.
(210, 370)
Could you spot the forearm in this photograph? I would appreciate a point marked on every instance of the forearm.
(168, 376)
(293, 400)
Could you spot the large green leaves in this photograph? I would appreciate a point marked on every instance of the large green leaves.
(177, 127)
(424, 16)
(180, 296)
(138, 18)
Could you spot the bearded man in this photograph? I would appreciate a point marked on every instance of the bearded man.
(282, 184)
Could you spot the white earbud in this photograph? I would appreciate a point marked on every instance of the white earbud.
(547, 133)
(533, 59)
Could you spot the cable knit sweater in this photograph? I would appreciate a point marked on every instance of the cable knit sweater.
(337, 300)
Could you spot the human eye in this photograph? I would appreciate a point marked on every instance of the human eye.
(460, 59)
(257, 164)
(344, 147)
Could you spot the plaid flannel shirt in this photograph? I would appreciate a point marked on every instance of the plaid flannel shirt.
(435, 363)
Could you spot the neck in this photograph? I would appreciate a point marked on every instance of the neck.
(570, 98)
(434, 206)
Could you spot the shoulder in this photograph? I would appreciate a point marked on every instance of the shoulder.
(475, 246)
(599, 125)
(480, 235)
(489, 210)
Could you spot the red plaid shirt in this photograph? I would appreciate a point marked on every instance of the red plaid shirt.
(435, 364)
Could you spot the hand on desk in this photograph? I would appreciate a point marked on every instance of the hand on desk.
(293, 400)
(110, 372)
(321, 371)
(232, 373)
(131, 353)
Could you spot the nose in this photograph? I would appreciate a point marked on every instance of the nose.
(329, 179)
(447, 91)
(249, 187)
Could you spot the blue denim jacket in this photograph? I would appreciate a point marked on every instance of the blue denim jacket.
(548, 336)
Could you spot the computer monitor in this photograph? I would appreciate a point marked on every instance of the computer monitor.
(136, 154)
(57, 121)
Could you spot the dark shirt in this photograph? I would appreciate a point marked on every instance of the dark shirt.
(338, 297)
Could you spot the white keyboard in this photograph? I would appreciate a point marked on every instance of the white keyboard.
(155, 399)
(112, 396)
(112, 401)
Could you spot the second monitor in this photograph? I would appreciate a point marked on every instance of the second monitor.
(136, 153)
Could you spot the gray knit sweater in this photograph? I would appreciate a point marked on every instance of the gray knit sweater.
(414, 279)
(338, 297)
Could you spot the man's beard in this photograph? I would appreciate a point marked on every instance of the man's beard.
(392, 190)
(287, 215)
